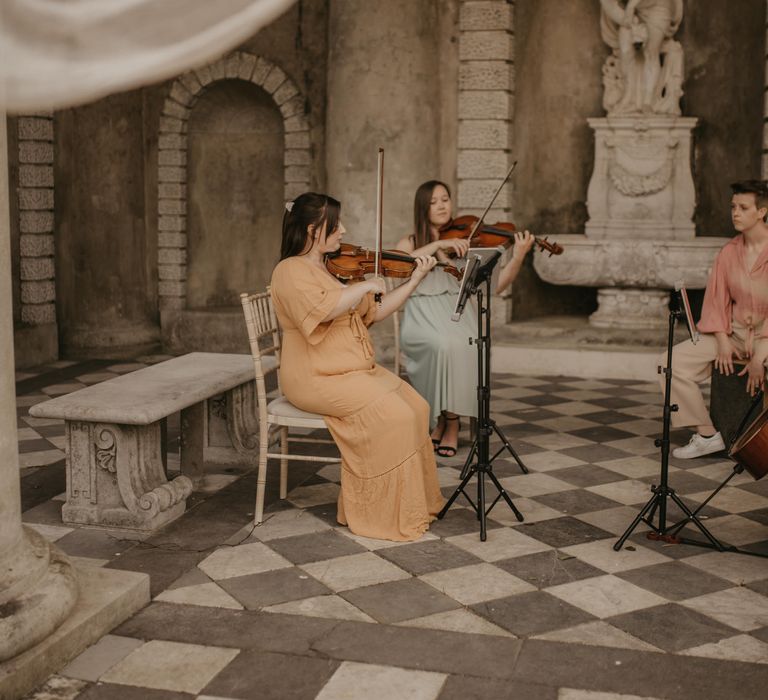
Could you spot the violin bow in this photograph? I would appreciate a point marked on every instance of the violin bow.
(379, 212)
(479, 222)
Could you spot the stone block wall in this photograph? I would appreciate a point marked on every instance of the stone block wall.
(486, 105)
(35, 203)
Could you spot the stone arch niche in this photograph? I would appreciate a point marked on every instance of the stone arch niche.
(233, 147)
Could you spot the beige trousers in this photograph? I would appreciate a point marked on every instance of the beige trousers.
(692, 365)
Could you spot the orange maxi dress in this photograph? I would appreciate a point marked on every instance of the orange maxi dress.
(389, 487)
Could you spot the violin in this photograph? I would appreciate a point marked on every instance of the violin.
(351, 263)
(486, 236)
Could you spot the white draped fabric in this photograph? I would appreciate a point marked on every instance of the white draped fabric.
(60, 53)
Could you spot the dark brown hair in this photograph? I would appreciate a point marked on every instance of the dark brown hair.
(759, 188)
(421, 203)
(308, 209)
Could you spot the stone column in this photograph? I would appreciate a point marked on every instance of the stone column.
(764, 160)
(383, 90)
(38, 587)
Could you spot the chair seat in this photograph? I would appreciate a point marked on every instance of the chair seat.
(280, 411)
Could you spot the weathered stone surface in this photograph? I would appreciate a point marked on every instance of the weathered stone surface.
(298, 122)
(36, 221)
(172, 108)
(180, 94)
(285, 92)
(172, 272)
(38, 314)
(483, 133)
(296, 156)
(172, 157)
(172, 125)
(297, 173)
(218, 70)
(478, 164)
(485, 104)
(36, 245)
(247, 64)
(172, 174)
(36, 176)
(477, 193)
(486, 75)
(485, 46)
(172, 223)
(147, 395)
(37, 269)
(172, 206)
(175, 256)
(654, 264)
(172, 141)
(35, 152)
(35, 129)
(293, 106)
(38, 292)
(168, 288)
(261, 71)
(35, 198)
(297, 139)
(166, 239)
(486, 15)
(232, 66)
(274, 80)
(172, 190)
(191, 83)
(203, 75)
(294, 189)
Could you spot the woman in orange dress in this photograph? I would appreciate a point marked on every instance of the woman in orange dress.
(389, 487)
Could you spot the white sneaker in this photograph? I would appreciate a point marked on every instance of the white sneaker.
(700, 446)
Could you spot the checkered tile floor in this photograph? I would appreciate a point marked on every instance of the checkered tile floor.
(300, 607)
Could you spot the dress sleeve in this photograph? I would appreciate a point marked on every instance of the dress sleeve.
(367, 309)
(716, 309)
(305, 299)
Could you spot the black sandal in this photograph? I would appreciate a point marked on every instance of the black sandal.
(436, 441)
(449, 450)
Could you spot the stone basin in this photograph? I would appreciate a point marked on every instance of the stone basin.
(633, 277)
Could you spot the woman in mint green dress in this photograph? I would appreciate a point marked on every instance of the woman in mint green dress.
(441, 364)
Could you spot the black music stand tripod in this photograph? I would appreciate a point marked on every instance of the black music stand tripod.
(475, 276)
(662, 492)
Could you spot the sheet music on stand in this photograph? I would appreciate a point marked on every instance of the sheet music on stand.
(680, 289)
(480, 261)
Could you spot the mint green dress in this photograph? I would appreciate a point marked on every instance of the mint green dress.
(441, 364)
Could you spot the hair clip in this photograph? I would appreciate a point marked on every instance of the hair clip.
(288, 206)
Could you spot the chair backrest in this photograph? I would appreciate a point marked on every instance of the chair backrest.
(261, 322)
(391, 284)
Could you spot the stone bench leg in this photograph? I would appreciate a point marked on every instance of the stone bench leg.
(115, 477)
(192, 442)
(232, 432)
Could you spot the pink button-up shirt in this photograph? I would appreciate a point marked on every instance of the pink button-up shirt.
(735, 293)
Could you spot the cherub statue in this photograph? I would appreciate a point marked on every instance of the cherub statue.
(650, 63)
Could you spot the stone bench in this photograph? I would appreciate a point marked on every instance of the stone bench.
(115, 430)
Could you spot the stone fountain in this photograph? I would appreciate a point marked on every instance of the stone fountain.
(640, 238)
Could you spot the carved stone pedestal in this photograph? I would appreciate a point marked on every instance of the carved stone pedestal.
(115, 477)
(620, 307)
(642, 186)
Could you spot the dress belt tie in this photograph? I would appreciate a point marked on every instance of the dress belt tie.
(360, 333)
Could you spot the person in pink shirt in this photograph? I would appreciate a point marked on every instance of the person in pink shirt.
(733, 323)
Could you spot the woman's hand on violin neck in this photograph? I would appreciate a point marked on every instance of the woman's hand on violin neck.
(523, 243)
(424, 263)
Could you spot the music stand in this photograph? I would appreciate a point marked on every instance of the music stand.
(662, 492)
(477, 273)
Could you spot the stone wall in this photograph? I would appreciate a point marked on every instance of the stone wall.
(392, 82)
(558, 57)
(121, 171)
